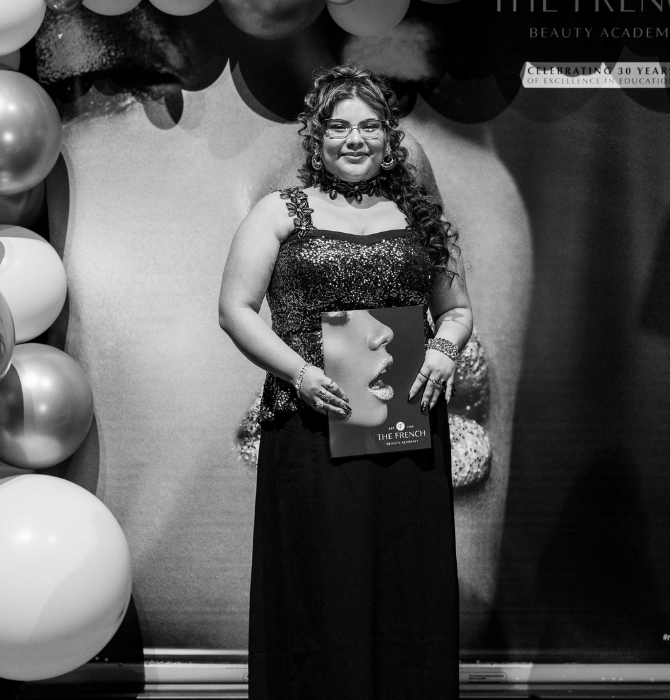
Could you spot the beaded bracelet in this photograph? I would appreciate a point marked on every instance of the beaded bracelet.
(298, 381)
(446, 346)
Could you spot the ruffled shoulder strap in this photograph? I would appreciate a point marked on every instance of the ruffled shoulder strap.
(298, 208)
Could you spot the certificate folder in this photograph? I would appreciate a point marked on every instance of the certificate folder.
(374, 356)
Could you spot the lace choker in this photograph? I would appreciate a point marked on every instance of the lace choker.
(334, 186)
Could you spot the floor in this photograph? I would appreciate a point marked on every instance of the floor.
(619, 691)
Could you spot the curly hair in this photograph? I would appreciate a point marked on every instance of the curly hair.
(424, 215)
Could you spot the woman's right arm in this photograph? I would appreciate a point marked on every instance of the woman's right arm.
(246, 277)
(245, 280)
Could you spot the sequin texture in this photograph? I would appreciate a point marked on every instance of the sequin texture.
(319, 271)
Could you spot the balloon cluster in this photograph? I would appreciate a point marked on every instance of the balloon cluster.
(66, 576)
(283, 18)
(119, 7)
(46, 403)
(20, 19)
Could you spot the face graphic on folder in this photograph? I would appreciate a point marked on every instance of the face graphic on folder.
(355, 351)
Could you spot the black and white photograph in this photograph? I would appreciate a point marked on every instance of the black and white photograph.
(199, 201)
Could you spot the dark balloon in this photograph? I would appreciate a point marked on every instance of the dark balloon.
(11, 61)
(22, 209)
(276, 20)
(62, 7)
(364, 18)
(111, 8)
(181, 8)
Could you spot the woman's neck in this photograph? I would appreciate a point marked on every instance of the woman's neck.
(333, 185)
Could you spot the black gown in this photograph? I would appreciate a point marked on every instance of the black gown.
(354, 590)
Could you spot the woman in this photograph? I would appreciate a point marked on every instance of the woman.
(354, 591)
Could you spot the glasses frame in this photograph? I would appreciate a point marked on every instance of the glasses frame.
(351, 127)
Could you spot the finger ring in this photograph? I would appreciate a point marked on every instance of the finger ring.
(330, 385)
(424, 375)
(321, 394)
(319, 404)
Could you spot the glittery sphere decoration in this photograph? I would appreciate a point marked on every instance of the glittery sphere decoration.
(249, 434)
(470, 452)
(472, 382)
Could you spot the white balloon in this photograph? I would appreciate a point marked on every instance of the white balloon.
(111, 7)
(66, 576)
(12, 231)
(19, 22)
(32, 280)
(11, 61)
(369, 17)
(181, 7)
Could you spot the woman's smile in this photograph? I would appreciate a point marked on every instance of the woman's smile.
(353, 158)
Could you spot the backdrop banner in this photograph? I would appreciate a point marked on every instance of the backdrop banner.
(544, 128)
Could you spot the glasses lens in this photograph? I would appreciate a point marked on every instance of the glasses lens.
(370, 129)
(337, 129)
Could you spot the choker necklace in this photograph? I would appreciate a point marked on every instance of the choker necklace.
(334, 186)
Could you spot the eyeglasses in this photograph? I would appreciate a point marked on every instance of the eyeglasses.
(340, 128)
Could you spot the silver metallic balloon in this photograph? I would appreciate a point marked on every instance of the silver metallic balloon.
(30, 133)
(6, 336)
(62, 7)
(46, 407)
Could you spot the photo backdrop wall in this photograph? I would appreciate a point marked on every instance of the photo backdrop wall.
(175, 126)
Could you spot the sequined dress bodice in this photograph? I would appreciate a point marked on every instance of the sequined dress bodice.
(319, 270)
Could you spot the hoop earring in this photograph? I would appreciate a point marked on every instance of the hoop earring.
(388, 161)
(317, 163)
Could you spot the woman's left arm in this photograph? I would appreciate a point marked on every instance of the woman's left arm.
(451, 310)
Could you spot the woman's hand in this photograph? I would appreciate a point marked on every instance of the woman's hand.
(435, 376)
(322, 393)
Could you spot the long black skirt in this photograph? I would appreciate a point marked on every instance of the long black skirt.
(354, 590)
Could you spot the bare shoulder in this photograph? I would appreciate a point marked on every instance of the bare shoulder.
(272, 205)
(271, 215)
